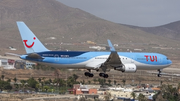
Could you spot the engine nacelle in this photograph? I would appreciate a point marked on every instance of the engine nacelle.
(128, 68)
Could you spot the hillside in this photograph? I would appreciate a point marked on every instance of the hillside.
(50, 18)
(171, 30)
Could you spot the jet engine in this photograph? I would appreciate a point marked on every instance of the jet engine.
(128, 68)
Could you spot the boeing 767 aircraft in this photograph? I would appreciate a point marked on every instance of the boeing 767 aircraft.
(99, 61)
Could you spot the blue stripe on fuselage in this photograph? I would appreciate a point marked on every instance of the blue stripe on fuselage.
(74, 57)
(61, 53)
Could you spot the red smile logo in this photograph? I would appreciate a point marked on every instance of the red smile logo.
(29, 46)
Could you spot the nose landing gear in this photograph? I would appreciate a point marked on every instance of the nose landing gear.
(159, 74)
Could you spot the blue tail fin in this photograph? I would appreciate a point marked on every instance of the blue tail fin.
(30, 41)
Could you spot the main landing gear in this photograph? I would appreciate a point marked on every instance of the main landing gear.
(104, 69)
(89, 74)
(159, 74)
(103, 75)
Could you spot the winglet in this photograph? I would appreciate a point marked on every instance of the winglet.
(111, 46)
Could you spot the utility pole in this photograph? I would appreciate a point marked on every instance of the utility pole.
(66, 80)
(113, 79)
(1, 22)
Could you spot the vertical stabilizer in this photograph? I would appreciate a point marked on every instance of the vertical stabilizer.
(30, 41)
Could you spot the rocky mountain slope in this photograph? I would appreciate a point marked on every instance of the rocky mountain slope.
(171, 30)
(50, 18)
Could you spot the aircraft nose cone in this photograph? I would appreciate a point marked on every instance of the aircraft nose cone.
(169, 62)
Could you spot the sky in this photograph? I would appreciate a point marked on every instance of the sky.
(144, 13)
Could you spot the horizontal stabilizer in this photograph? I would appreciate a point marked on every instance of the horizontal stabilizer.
(34, 56)
(13, 54)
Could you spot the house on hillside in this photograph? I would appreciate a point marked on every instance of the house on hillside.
(20, 64)
(79, 89)
(29, 65)
(7, 63)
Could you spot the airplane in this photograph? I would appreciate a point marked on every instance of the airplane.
(100, 61)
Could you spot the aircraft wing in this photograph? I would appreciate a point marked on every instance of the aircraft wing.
(113, 59)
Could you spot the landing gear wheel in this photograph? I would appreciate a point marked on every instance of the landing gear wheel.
(159, 75)
(103, 75)
(91, 75)
(88, 74)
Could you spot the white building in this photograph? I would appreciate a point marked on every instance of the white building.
(7, 63)
(29, 64)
